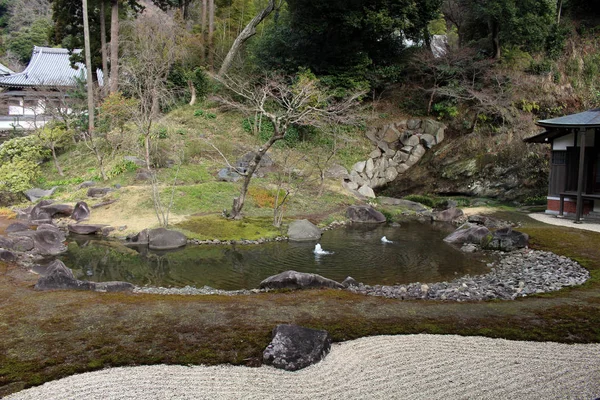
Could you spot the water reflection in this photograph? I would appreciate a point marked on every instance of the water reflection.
(416, 254)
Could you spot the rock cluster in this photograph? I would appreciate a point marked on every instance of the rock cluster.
(517, 274)
(399, 146)
(190, 290)
(59, 276)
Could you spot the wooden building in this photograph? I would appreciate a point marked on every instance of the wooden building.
(574, 184)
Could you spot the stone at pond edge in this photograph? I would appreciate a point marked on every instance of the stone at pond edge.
(298, 280)
(303, 230)
(505, 239)
(469, 233)
(47, 240)
(81, 211)
(58, 276)
(38, 213)
(85, 229)
(295, 347)
(58, 209)
(364, 214)
(449, 215)
(16, 227)
(165, 239)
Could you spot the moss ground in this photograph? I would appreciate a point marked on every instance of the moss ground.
(48, 335)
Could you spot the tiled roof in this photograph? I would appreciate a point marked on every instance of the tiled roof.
(590, 119)
(48, 67)
(5, 71)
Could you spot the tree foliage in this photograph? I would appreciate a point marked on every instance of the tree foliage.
(19, 163)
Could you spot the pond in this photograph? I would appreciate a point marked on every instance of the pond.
(417, 253)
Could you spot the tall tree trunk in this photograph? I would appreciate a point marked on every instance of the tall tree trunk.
(211, 33)
(103, 50)
(88, 66)
(203, 27)
(114, 46)
(494, 27)
(238, 202)
(558, 11)
(247, 33)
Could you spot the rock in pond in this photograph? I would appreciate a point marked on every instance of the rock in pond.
(165, 239)
(303, 230)
(450, 215)
(298, 280)
(364, 214)
(47, 240)
(294, 347)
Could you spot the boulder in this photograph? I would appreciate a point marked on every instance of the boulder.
(35, 194)
(336, 171)
(143, 175)
(409, 140)
(81, 211)
(505, 239)
(58, 209)
(449, 215)
(47, 241)
(86, 184)
(402, 168)
(367, 192)
(227, 175)
(165, 239)
(298, 280)
(364, 214)
(391, 174)
(469, 233)
(17, 227)
(98, 192)
(294, 347)
(85, 229)
(20, 244)
(359, 166)
(303, 230)
(350, 185)
(38, 213)
(375, 153)
(349, 281)
(139, 239)
(418, 151)
(58, 276)
(136, 160)
(430, 126)
(391, 134)
(410, 205)
(413, 124)
(400, 157)
(7, 256)
(488, 222)
(439, 135)
(370, 168)
(428, 141)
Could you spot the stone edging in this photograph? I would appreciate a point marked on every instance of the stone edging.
(517, 274)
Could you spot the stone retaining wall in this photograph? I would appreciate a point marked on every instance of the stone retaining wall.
(399, 146)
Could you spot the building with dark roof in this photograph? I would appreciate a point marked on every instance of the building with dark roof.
(35, 93)
(574, 184)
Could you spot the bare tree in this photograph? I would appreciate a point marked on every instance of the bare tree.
(247, 33)
(284, 103)
(152, 50)
(211, 33)
(103, 50)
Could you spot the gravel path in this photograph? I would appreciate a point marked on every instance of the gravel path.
(379, 367)
(568, 222)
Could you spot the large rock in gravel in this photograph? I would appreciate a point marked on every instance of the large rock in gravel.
(505, 239)
(469, 233)
(298, 280)
(81, 211)
(165, 239)
(303, 230)
(295, 347)
(85, 229)
(364, 214)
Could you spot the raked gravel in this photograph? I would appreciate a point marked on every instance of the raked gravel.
(379, 367)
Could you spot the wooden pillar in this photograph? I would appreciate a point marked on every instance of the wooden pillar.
(580, 172)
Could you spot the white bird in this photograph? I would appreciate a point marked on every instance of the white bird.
(385, 240)
(319, 251)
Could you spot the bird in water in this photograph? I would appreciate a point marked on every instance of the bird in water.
(319, 251)
(385, 240)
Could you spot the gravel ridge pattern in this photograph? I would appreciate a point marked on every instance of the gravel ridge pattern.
(378, 367)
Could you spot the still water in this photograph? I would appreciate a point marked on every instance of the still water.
(416, 254)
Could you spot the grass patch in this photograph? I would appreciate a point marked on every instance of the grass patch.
(211, 227)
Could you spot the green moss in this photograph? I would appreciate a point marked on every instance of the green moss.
(211, 227)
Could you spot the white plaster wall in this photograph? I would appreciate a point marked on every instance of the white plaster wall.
(563, 142)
